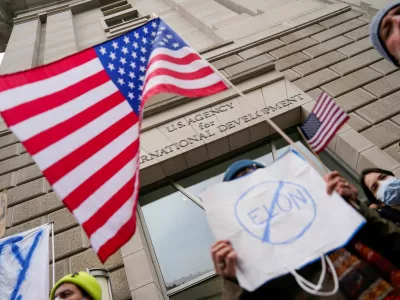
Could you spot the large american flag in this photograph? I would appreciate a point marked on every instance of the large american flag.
(323, 122)
(80, 117)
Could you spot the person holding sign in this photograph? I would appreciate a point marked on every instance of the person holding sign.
(367, 267)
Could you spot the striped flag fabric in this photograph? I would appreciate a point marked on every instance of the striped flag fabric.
(323, 122)
(80, 119)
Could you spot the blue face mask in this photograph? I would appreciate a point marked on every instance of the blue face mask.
(389, 191)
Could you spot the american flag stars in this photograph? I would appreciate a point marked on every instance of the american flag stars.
(121, 71)
(126, 57)
(103, 50)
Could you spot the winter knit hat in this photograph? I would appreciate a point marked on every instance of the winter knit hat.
(238, 166)
(376, 40)
(83, 280)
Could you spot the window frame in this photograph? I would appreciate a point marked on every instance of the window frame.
(173, 182)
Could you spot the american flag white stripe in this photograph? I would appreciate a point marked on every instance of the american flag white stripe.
(327, 110)
(334, 127)
(191, 67)
(180, 53)
(107, 231)
(88, 208)
(14, 97)
(323, 122)
(324, 107)
(334, 114)
(180, 83)
(85, 170)
(50, 155)
(42, 122)
(323, 102)
(330, 110)
(80, 120)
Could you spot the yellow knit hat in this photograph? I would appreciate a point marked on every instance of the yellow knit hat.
(82, 279)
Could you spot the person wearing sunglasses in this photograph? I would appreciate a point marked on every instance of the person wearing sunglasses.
(367, 267)
(385, 32)
(77, 286)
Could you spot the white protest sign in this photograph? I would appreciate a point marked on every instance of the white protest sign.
(278, 219)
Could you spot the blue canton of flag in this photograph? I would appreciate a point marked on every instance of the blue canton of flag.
(311, 126)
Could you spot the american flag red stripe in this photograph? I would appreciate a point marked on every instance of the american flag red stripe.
(80, 121)
(324, 121)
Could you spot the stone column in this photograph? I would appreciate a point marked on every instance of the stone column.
(60, 36)
(139, 267)
(22, 49)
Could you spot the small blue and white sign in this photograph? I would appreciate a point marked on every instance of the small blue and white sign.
(24, 265)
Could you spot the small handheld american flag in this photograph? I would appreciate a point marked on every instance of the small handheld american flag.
(80, 117)
(323, 122)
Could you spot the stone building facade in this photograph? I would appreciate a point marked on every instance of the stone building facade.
(281, 54)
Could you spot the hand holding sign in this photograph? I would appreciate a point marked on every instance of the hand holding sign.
(224, 259)
(223, 254)
(337, 183)
(279, 218)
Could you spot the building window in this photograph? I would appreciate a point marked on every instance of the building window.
(176, 223)
(120, 17)
(115, 7)
(180, 235)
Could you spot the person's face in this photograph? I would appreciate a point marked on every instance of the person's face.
(68, 291)
(245, 171)
(373, 180)
(389, 32)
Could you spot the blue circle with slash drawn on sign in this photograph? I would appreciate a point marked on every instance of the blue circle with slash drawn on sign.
(276, 212)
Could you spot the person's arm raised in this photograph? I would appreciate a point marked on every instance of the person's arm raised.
(224, 258)
(380, 234)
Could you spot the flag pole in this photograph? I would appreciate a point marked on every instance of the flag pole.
(311, 148)
(274, 126)
(307, 143)
(320, 170)
(52, 253)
